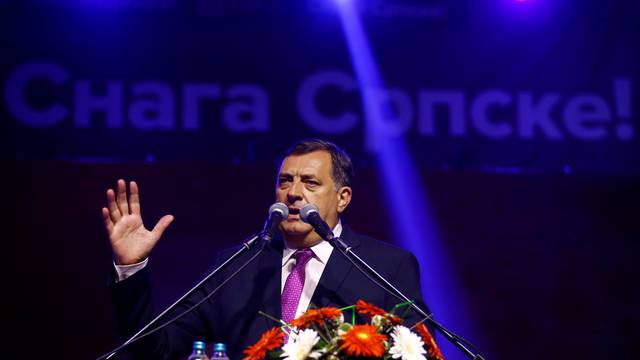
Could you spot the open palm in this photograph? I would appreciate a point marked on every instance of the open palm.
(131, 242)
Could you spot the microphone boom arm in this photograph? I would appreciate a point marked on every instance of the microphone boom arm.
(346, 251)
(246, 245)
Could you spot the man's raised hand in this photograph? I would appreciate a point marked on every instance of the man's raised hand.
(131, 242)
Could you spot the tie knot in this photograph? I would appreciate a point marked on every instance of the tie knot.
(302, 256)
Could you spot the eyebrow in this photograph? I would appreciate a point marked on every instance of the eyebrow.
(308, 176)
(303, 176)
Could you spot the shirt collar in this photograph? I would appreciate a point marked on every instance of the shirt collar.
(321, 250)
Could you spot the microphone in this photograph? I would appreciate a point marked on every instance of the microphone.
(310, 214)
(277, 213)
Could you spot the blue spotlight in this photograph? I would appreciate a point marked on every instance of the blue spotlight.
(414, 224)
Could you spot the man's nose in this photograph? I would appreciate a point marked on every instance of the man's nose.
(295, 192)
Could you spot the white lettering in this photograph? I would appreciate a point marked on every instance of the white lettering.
(307, 102)
(192, 95)
(388, 114)
(532, 116)
(584, 116)
(86, 103)
(249, 114)
(155, 109)
(453, 100)
(480, 116)
(16, 101)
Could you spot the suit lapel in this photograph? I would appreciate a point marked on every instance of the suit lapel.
(334, 274)
(327, 292)
(272, 264)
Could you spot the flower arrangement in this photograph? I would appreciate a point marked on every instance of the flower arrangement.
(322, 333)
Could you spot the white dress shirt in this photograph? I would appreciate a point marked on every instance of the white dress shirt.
(124, 271)
(312, 272)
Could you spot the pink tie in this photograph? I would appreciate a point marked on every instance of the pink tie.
(294, 284)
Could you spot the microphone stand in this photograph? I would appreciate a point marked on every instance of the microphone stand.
(346, 251)
(248, 244)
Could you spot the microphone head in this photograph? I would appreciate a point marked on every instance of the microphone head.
(280, 208)
(308, 210)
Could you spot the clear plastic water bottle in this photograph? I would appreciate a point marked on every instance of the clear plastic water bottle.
(198, 352)
(219, 352)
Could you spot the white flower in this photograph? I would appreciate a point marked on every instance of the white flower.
(407, 345)
(376, 320)
(299, 345)
(344, 328)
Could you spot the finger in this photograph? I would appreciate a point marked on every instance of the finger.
(134, 198)
(114, 212)
(122, 198)
(162, 225)
(107, 220)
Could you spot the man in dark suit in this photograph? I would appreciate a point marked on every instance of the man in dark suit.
(296, 270)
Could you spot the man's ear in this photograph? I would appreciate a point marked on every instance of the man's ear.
(344, 198)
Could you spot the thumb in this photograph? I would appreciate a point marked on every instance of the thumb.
(162, 225)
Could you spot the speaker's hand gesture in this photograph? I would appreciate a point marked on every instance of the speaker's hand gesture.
(131, 242)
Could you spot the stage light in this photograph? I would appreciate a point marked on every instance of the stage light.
(414, 224)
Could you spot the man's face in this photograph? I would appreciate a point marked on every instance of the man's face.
(306, 179)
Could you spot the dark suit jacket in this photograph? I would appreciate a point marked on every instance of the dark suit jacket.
(231, 316)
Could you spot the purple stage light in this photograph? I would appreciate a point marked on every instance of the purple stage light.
(414, 224)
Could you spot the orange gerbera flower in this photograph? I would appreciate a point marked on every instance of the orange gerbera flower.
(271, 339)
(363, 340)
(365, 308)
(395, 320)
(371, 310)
(315, 316)
(429, 341)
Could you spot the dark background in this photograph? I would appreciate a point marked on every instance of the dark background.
(542, 235)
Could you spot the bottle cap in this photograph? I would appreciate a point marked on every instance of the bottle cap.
(200, 345)
(219, 347)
